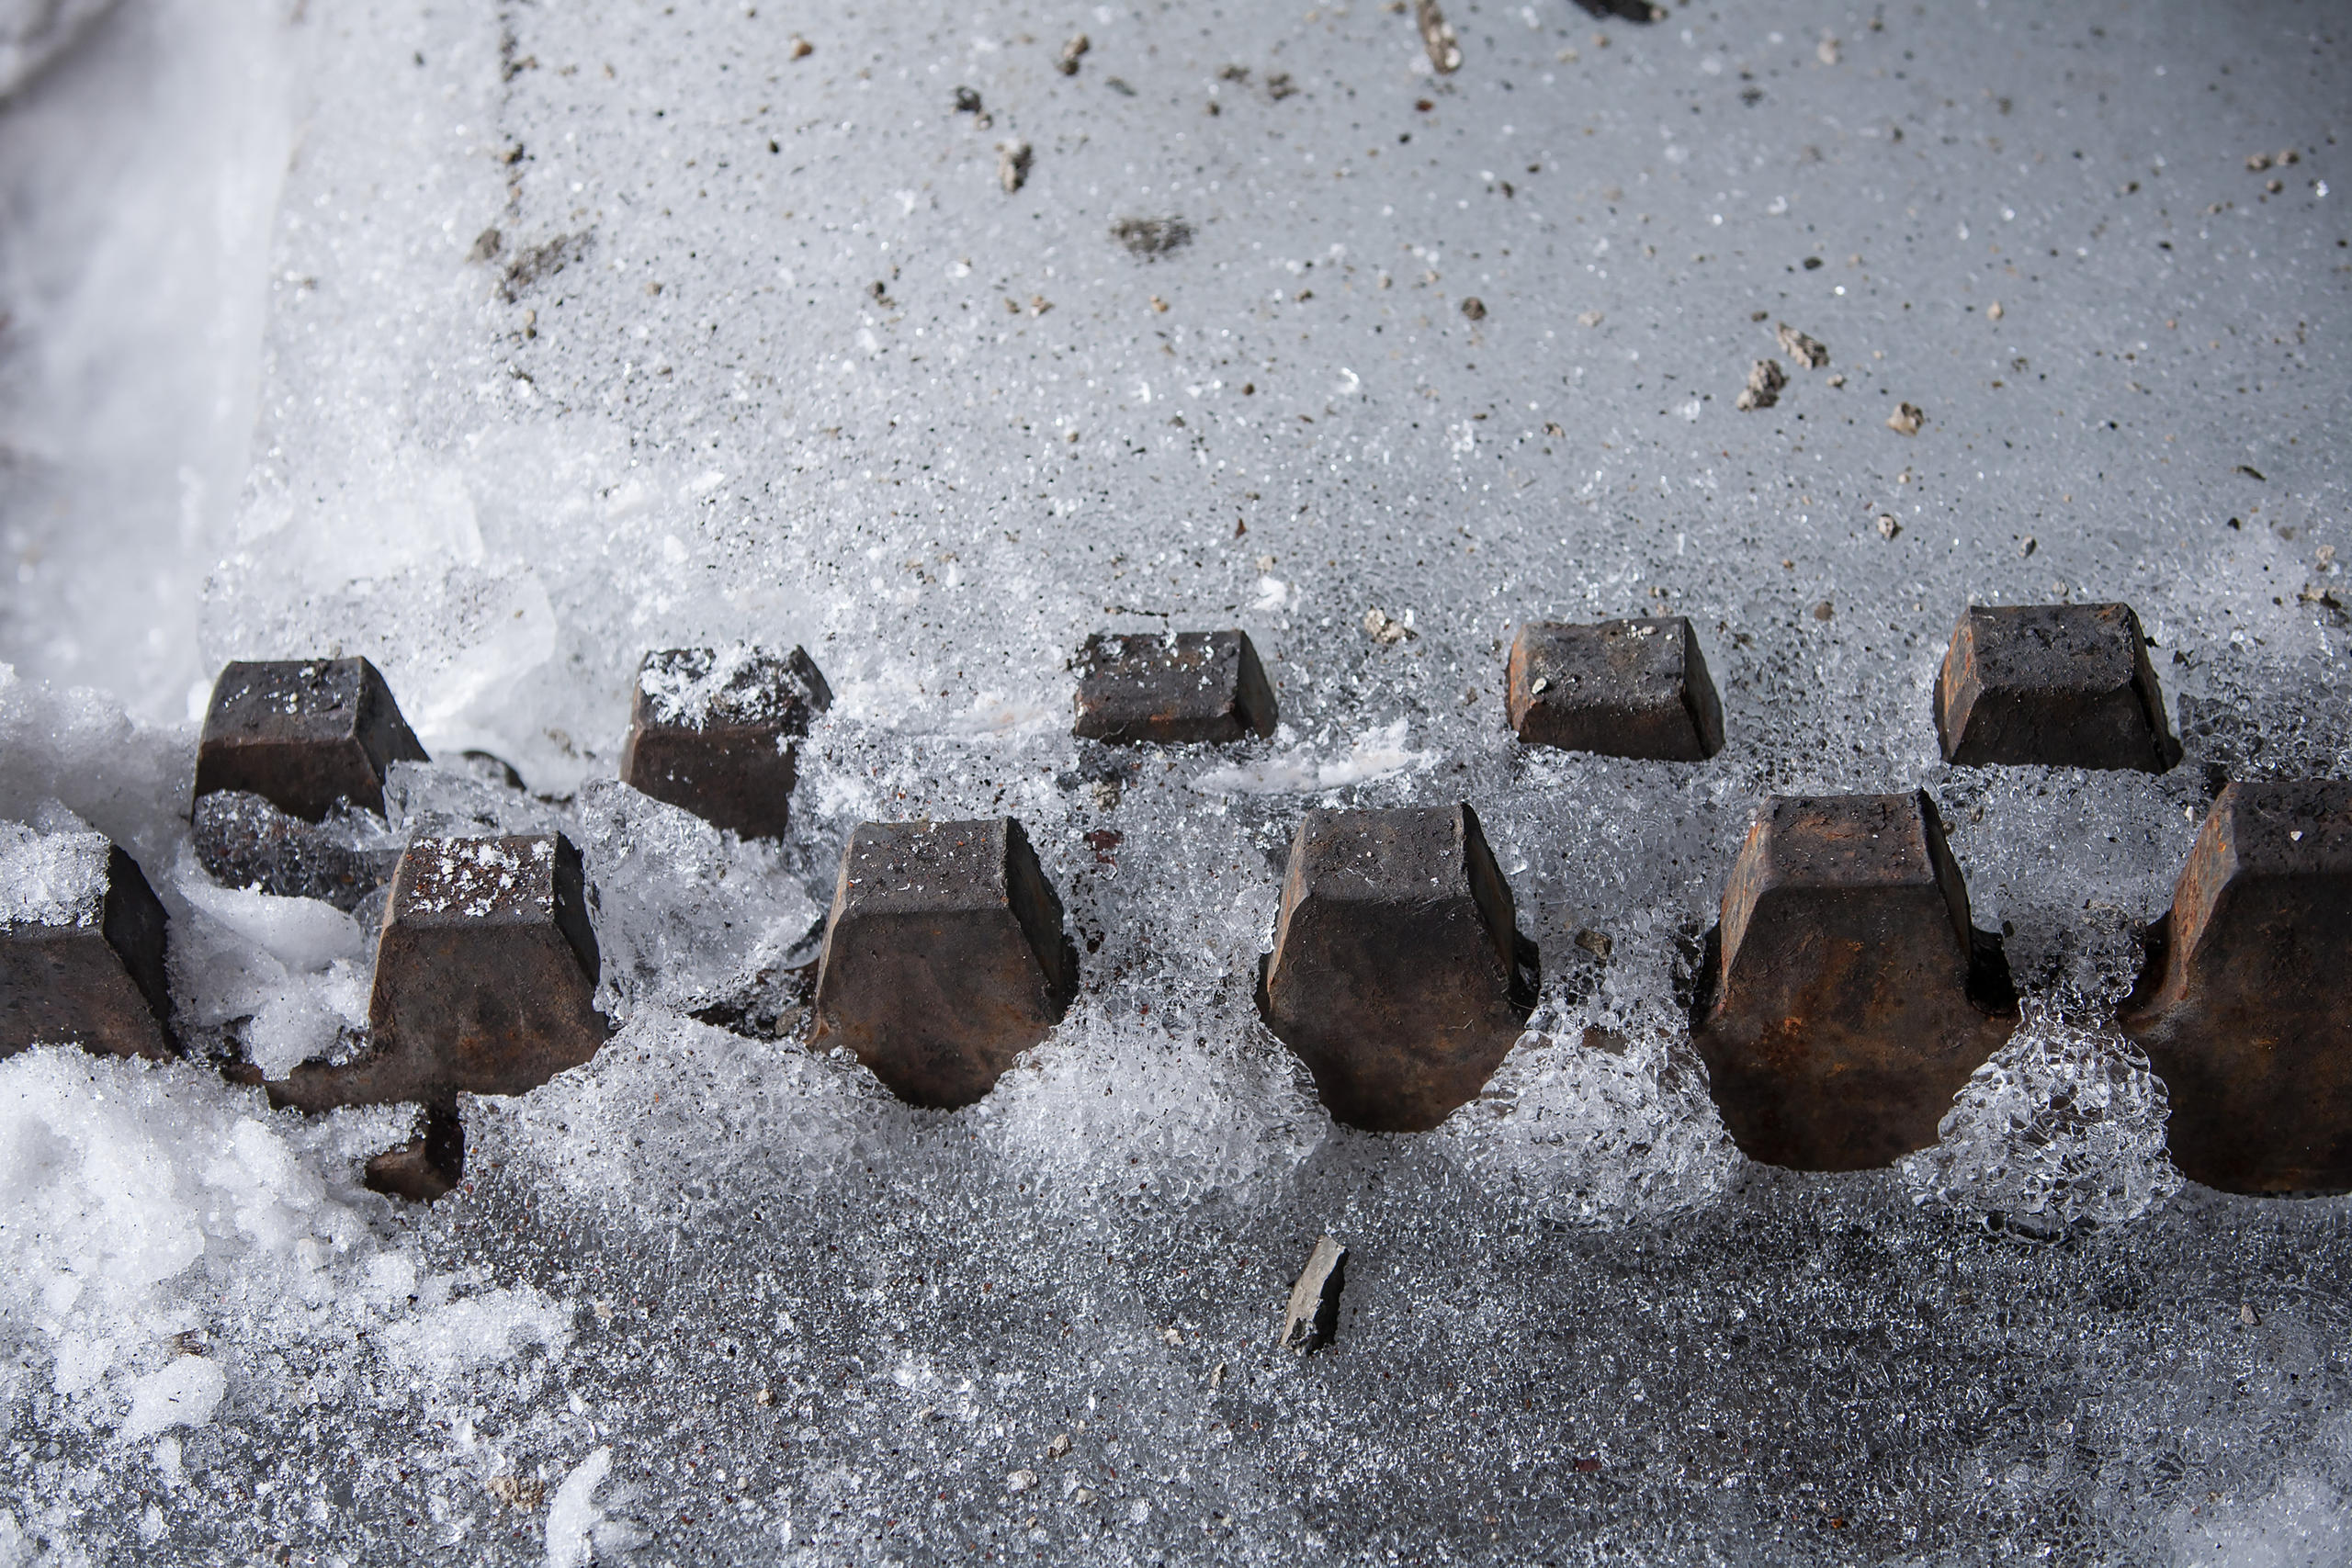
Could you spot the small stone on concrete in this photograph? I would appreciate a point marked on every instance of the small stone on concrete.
(1438, 38)
(1765, 379)
(1012, 159)
(1311, 1320)
(1807, 351)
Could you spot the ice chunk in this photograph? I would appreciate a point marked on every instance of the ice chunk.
(182, 1392)
(455, 1337)
(305, 935)
(2062, 1130)
(1304, 768)
(674, 1116)
(1107, 1109)
(291, 975)
(51, 879)
(690, 917)
(579, 1530)
(1601, 1115)
(127, 780)
(424, 799)
(2302, 1522)
(300, 1023)
(33, 31)
(573, 1516)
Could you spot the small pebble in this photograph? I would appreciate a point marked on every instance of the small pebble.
(1013, 159)
(1765, 379)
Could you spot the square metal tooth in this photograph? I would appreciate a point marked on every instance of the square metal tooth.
(944, 957)
(1632, 688)
(716, 731)
(303, 735)
(82, 951)
(2060, 685)
(1398, 975)
(2237, 1008)
(485, 978)
(1846, 996)
(1172, 688)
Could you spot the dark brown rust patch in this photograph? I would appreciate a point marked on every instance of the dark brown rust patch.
(945, 957)
(485, 978)
(1172, 688)
(716, 733)
(303, 735)
(2063, 685)
(2238, 1010)
(1636, 688)
(1398, 975)
(95, 975)
(1848, 998)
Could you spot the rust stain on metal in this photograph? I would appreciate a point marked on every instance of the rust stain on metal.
(2063, 685)
(2237, 1008)
(718, 734)
(1398, 975)
(945, 958)
(1847, 997)
(1631, 688)
(486, 975)
(96, 979)
(304, 735)
(1172, 688)
(427, 1166)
